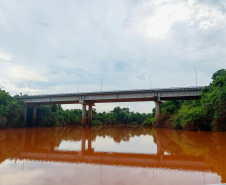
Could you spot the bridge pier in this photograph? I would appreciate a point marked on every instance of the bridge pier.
(84, 115)
(90, 104)
(157, 111)
(90, 116)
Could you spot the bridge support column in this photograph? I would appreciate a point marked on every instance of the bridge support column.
(90, 116)
(34, 116)
(25, 115)
(157, 111)
(83, 115)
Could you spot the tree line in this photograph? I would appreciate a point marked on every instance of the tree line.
(208, 113)
(11, 115)
(51, 115)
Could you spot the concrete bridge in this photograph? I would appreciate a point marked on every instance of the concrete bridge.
(90, 98)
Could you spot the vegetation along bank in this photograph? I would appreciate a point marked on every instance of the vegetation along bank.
(208, 113)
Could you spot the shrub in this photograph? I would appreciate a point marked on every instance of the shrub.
(149, 121)
(188, 116)
(133, 123)
(96, 122)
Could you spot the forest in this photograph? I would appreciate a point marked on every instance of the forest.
(207, 113)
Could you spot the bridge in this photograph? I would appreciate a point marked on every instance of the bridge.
(90, 98)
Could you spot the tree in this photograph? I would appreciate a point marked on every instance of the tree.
(214, 101)
(220, 72)
(11, 110)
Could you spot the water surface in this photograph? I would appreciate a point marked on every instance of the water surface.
(111, 155)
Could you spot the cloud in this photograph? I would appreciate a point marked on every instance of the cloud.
(59, 43)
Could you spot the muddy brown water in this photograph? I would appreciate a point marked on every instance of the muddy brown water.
(111, 155)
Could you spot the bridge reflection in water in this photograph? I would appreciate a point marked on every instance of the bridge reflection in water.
(184, 151)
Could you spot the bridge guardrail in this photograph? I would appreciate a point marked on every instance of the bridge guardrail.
(116, 92)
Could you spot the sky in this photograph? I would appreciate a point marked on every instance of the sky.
(55, 46)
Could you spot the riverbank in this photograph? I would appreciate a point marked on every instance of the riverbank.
(208, 113)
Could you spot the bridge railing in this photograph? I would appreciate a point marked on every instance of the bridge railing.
(193, 88)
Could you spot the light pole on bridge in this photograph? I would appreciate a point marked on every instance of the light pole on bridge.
(150, 81)
(29, 87)
(196, 76)
(101, 81)
(78, 86)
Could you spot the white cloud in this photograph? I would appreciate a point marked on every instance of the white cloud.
(57, 44)
(12, 173)
(5, 57)
(157, 24)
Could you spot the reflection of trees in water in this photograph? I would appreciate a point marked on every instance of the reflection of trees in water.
(208, 145)
(10, 144)
(123, 133)
(13, 141)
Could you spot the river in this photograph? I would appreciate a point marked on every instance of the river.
(111, 155)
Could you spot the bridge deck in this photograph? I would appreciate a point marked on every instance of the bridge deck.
(90, 98)
(115, 96)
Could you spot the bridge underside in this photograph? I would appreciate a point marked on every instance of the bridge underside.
(112, 100)
(89, 99)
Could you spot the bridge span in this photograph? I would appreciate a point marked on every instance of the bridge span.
(90, 98)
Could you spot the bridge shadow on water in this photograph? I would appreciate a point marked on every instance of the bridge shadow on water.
(180, 150)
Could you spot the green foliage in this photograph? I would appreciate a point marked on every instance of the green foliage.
(119, 116)
(205, 114)
(54, 115)
(188, 115)
(96, 122)
(214, 101)
(133, 123)
(11, 111)
(15, 110)
(170, 107)
(149, 121)
(221, 72)
(3, 121)
(4, 101)
(5, 98)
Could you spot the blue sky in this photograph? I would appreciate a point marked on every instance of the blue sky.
(56, 45)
